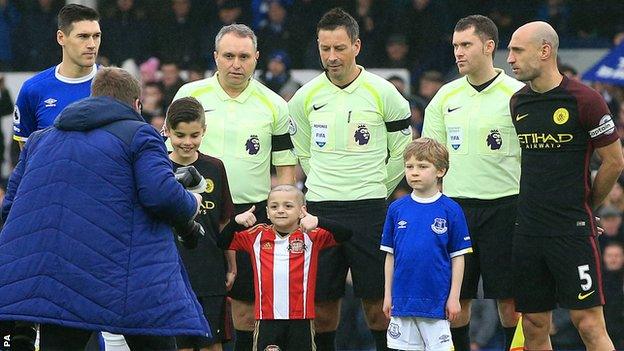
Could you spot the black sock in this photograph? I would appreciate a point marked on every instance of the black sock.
(325, 341)
(23, 337)
(509, 334)
(461, 338)
(244, 340)
(381, 343)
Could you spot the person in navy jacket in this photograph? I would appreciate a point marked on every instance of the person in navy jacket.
(87, 242)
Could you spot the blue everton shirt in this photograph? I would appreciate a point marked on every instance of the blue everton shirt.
(423, 235)
(43, 97)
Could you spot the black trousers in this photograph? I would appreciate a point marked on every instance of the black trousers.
(57, 338)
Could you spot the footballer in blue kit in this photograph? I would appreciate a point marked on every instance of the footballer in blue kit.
(43, 97)
(425, 237)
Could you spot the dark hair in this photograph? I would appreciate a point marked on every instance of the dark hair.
(117, 83)
(484, 28)
(336, 18)
(186, 109)
(75, 13)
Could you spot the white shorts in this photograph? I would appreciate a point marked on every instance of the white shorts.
(416, 333)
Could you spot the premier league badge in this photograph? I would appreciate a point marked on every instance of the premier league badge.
(252, 145)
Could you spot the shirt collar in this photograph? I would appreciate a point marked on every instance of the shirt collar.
(241, 98)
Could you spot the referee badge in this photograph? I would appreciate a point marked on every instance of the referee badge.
(455, 136)
(439, 226)
(319, 132)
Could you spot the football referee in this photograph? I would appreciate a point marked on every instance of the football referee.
(247, 129)
(470, 115)
(351, 128)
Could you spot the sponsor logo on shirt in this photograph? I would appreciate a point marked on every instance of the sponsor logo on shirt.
(361, 135)
(544, 140)
(292, 126)
(252, 145)
(393, 331)
(561, 116)
(455, 136)
(316, 108)
(320, 134)
(605, 126)
(267, 246)
(449, 110)
(582, 296)
(296, 246)
(439, 226)
(50, 102)
(402, 224)
(519, 116)
(494, 139)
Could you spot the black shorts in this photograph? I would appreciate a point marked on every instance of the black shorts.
(284, 335)
(243, 288)
(491, 225)
(361, 253)
(556, 269)
(215, 312)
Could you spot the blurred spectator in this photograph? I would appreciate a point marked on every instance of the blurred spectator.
(260, 11)
(557, 14)
(429, 84)
(228, 12)
(508, 15)
(9, 20)
(615, 198)
(417, 105)
(569, 71)
(427, 25)
(152, 100)
(127, 32)
(611, 222)
(178, 35)
(149, 70)
(594, 23)
(563, 334)
(613, 278)
(171, 82)
(6, 109)
(483, 323)
(369, 16)
(275, 34)
(277, 75)
(196, 73)
(397, 50)
(36, 48)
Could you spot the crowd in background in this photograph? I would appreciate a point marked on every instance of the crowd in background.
(173, 44)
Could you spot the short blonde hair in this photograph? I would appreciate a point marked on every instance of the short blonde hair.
(427, 149)
(290, 189)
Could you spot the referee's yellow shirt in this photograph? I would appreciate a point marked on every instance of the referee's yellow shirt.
(239, 132)
(350, 141)
(478, 131)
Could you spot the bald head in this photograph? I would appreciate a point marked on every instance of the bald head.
(540, 33)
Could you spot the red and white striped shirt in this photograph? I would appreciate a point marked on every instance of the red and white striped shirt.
(284, 269)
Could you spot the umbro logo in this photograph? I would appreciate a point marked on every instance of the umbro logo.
(50, 102)
(402, 225)
(519, 116)
(453, 109)
(316, 108)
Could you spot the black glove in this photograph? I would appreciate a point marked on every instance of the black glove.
(189, 233)
(190, 178)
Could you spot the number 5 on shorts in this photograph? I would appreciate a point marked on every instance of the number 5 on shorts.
(586, 280)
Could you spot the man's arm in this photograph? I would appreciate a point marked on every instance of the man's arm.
(158, 191)
(285, 174)
(609, 171)
(433, 122)
(397, 116)
(301, 131)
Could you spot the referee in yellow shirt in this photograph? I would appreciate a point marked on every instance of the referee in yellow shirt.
(247, 128)
(471, 116)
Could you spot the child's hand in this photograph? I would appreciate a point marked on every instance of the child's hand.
(246, 218)
(387, 306)
(452, 309)
(229, 280)
(308, 222)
